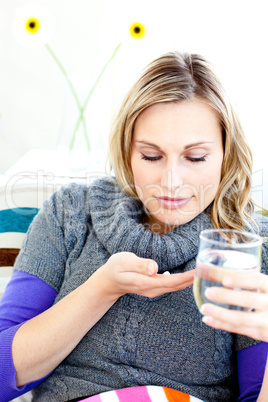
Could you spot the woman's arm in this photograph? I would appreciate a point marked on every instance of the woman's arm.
(25, 296)
(41, 343)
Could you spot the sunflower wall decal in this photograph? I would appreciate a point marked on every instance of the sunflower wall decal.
(137, 30)
(32, 25)
(33, 28)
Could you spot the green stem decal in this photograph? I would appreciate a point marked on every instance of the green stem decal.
(80, 107)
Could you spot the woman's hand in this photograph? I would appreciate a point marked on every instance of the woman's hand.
(126, 273)
(254, 296)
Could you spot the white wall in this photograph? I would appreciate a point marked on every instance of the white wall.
(35, 104)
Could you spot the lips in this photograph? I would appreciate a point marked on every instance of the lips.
(173, 203)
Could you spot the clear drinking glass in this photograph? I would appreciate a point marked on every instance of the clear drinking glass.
(222, 250)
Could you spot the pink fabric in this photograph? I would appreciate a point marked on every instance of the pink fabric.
(95, 398)
(133, 394)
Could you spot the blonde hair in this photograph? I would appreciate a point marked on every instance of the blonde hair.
(175, 77)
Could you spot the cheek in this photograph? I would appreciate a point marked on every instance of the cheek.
(213, 171)
(140, 179)
(143, 177)
(143, 185)
(146, 186)
(211, 187)
(208, 184)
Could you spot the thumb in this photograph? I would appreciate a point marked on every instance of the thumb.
(130, 262)
(152, 267)
(145, 266)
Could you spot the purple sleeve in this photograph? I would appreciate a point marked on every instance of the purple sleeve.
(25, 297)
(251, 364)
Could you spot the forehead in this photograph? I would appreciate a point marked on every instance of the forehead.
(191, 117)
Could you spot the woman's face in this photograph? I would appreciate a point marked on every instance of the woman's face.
(176, 161)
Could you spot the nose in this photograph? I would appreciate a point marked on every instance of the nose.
(172, 177)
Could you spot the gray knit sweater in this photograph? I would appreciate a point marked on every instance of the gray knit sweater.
(139, 341)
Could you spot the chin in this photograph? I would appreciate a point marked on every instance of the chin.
(172, 220)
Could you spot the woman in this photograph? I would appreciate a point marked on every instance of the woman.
(95, 312)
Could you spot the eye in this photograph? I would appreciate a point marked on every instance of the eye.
(196, 159)
(151, 158)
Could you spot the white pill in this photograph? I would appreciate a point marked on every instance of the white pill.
(166, 273)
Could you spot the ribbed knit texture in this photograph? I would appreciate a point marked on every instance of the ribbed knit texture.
(139, 341)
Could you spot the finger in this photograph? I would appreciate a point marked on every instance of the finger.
(252, 332)
(160, 283)
(176, 281)
(166, 282)
(233, 317)
(145, 266)
(129, 262)
(158, 290)
(249, 324)
(241, 298)
(247, 281)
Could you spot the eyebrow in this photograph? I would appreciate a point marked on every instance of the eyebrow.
(194, 144)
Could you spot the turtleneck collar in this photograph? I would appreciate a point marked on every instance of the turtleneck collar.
(117, 217)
